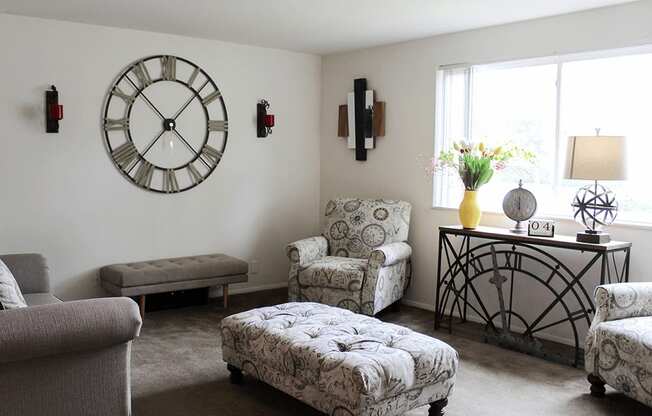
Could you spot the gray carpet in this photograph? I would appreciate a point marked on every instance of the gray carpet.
(177, 371)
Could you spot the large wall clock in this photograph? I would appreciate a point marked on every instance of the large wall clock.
(165, 124)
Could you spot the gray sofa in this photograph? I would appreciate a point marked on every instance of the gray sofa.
(64, 358)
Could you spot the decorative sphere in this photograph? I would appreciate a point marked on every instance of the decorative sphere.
(595, 206)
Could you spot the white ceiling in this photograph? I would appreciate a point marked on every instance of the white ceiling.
(315, 26)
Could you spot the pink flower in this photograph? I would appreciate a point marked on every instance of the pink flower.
(500, 165)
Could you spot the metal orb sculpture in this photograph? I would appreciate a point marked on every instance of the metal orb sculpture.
(595, 206)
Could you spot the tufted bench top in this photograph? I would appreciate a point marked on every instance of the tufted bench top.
(350, 356)
(172, 270)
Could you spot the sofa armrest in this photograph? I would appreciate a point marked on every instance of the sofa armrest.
(623, 300)
(67, 327)
(30, 271)
(390, 253)
(308, 250)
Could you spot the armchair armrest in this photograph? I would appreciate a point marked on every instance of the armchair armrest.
(308, 250)
(390, 253)
(622, 300)
(60, 328)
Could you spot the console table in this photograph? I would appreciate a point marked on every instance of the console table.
(497, 258)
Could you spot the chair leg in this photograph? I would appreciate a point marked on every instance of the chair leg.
(437, 408)
(396, 306)
(597, 385)
(236, 374)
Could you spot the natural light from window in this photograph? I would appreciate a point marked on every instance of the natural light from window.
(538, 105)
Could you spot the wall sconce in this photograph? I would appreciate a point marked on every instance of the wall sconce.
(53, 110)
(265, 121)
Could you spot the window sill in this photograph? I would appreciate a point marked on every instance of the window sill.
(564, 218)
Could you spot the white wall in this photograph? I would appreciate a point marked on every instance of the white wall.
(403, 75)
(63, 197)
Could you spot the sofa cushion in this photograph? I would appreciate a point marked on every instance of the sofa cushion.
(628, 340)
(348, 355)
(334, 272)
(173, 270)
(35, 299)
(10, 294)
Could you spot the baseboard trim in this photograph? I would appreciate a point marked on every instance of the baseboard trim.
(470, 317)
(259, 288)
(418, 305)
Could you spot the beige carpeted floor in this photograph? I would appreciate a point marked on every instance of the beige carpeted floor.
(177, 371)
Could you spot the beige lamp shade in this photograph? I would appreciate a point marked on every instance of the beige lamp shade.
(596, 158)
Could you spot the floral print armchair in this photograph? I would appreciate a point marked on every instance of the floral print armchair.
(360, 263)
(619, 343)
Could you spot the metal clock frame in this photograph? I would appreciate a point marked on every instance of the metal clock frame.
(139, 92)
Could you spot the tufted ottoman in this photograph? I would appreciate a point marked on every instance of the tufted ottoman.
(339, 362)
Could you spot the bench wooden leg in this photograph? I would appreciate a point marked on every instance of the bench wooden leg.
(141, 306)
(597, 385)
(225, 295)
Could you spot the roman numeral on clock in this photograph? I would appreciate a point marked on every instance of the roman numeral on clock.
(211, 97)
(195, 176)
(169, 68)
(218, 125)
(212, 154)
(170, 183)
(128, 99)
(125, 155)
(144, 174)
(116, 124)
(142, 74)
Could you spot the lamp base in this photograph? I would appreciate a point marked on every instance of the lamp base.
(593, 237)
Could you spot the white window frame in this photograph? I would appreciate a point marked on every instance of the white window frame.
(442, 141)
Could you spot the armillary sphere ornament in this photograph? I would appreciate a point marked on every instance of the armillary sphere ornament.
(171, 101)
(595, 206)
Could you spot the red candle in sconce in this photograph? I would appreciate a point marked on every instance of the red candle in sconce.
(56, 111)
(269, 120)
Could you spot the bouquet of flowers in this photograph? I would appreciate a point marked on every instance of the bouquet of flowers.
(476, 163)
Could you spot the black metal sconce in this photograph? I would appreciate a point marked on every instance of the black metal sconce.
(53, 110)
(264, 121)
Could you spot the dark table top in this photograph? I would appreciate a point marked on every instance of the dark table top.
(561, 241)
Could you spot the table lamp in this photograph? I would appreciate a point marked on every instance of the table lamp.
(596, 158)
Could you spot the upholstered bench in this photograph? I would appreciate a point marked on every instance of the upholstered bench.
(339, 362)
(168, 275)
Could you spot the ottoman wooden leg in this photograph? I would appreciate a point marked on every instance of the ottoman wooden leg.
(437, 408)
(236, 374)
(597, 385)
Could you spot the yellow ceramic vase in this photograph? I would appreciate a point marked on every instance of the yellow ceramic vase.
(470, 213)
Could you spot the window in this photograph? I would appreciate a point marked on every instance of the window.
(537, 104)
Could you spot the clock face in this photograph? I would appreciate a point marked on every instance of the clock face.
(165, 124)
(519, 204)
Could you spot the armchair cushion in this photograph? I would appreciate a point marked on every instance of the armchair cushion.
(355, 227)
(334, 272)
(308, 250)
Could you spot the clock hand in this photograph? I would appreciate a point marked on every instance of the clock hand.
(192, 149)
(195, 94)
(140, 93)
(149, 146)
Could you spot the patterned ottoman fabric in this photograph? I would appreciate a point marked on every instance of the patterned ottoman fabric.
(337, 361)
